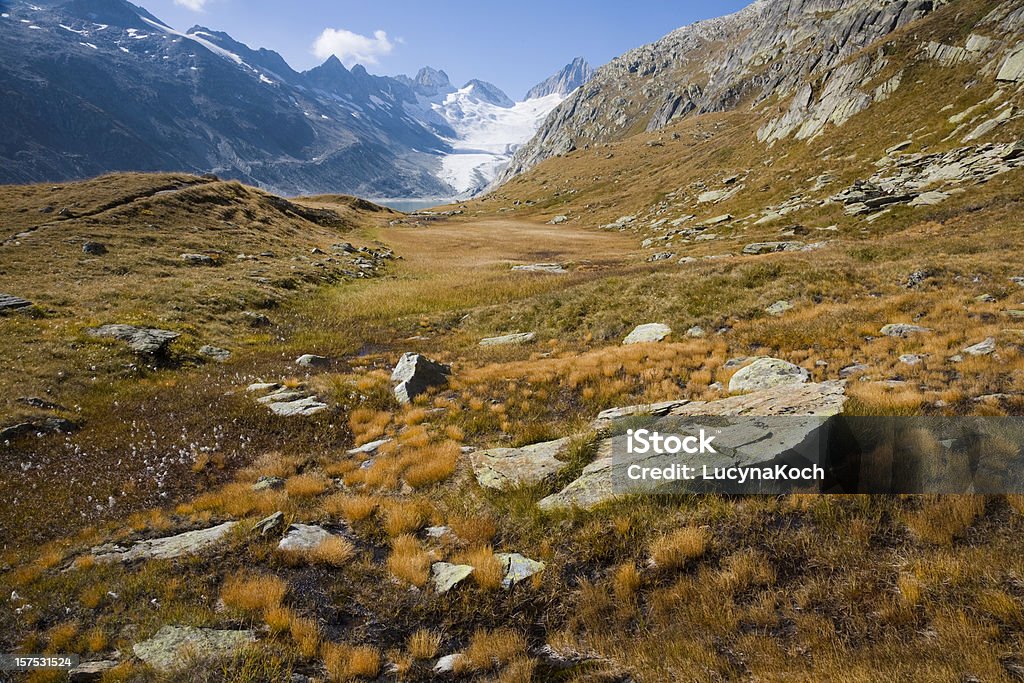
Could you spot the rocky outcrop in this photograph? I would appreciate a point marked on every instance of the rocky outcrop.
(144, 340)
(572, 76)
(502, 468)
(650, 332)
(747, 443)
(171, 645)
(187, 543)
(799, 48)
(509, 339)
(9, 302)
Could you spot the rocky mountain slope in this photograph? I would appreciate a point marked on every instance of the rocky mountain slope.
(573, 75)
(803, 65)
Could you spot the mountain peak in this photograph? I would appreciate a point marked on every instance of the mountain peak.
(430, 82)
(488, 92)
(572, 75)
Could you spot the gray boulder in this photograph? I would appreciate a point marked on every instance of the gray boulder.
(268, 524)
(197, 259)
(303, 538)
(651, 332)
(94, 248)
(765, 373)
(145, 340)
(779, 307)
(517, 568)
(415, 374)
(171, 645)
(299, 407)
(502, 468)
(902, 330)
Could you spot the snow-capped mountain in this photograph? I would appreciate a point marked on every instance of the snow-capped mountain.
(93, 86)
(485, 127)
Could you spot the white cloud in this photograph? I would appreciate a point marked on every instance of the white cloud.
(194, 5)
(352, 48)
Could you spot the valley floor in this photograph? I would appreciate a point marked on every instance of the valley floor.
(655, 589)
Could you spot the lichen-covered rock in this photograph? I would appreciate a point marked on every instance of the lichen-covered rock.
(415, 374)
(650, 332)
(765, 373)
(501, 468)
(171, 645)
(166, 548)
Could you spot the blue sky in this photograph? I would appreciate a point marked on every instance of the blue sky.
(512, 44)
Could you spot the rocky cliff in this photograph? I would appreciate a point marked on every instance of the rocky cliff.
(814, 59)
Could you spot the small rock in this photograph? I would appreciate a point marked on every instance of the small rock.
(957, 358)
(215, 353)
(303, 538)
(256, 319)
(261, 387)
(556, 268)
(660, 256)
(983, 348)
(94, 248)
(91, 672)
(197, 259)
(779, 307)
(268, 524)
(368, 448)
(302, 407)
(1017, 281)
(650, 332)
(985, 299)
(437, 531)
(166, 548)
(558, 220)
(766, 373)
(446, 576)
(268, 484)
(696, 332)
(517, 568)
(758, 248)
(509, 339)
(911, 359)
(902, 330)
(929, 198)
(310, 360)
(414, 374)
(446, 664)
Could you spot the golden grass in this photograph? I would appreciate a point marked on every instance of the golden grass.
(352, 508)
(404, 517)
(943, 518)
(253, 593)
(626, 581)
(490, 650)
(306, 635)
(306, 485)
(676, 549)
(347, 662)
(424, 644)
(476, 529)
(431, 464)
(60, 637)
(279, 619)
(335, 551)
(488, 571)
(408, 560)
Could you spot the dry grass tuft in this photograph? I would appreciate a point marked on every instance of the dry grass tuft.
(424, 644)
(334, 551)
(489, 650)
(676, 549)
(253, 594)
(347, 662)
(409, 561)
(351, 508)
(488, 571)
(306, 485)
(942, 518)
(477, 529)
(404, 517)
(306, 635)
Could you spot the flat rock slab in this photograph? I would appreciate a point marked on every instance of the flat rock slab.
(758, 248)
(556, 268)
(215, 353)
(595, 485)
(517, 568)
(414, 374)
(139, 339)
(91, 672)
(9, 302)
(501, 468)
(171, 645)
(166, 548)
(765, 373)
(902, 330)
(651, 332)
(983, 348)
(310, 405)
(368, 448)
(310, 360)
(509, 339)
(779, 307)
(445, 576)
